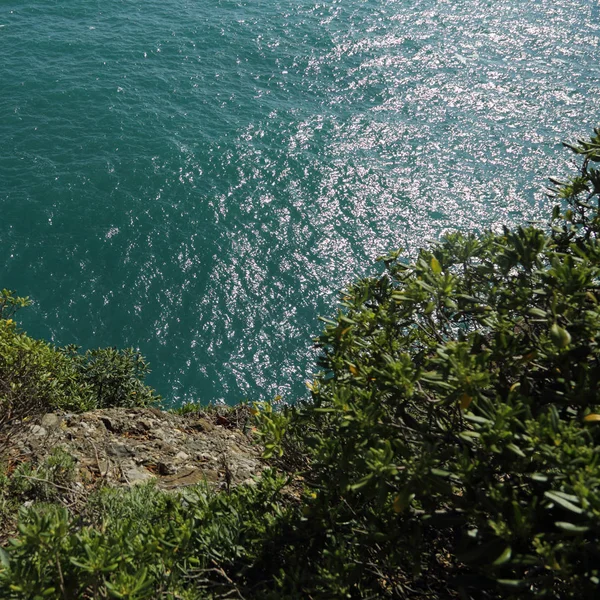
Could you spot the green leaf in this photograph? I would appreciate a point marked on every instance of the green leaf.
(571, 528)
(435, 265)
(514, 448)
(560, 500)
(441, 473)
(4, 560)
(504, 557)
(560, 336)
(511, 582)
(476, 419)
(361, 483)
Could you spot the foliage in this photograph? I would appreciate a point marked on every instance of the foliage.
(36, 377)
(114, 377)
(10, 304)
(144, 544)
(458, 413)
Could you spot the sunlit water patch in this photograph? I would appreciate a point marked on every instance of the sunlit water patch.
(200, 179)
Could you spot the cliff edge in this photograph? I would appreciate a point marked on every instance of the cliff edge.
(128, 446)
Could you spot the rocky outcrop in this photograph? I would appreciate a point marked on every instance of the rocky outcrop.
(125, 447)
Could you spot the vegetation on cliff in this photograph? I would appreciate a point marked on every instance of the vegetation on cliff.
(37, 377)
(449, 449)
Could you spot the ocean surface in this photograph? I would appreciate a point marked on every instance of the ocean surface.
(199, 179)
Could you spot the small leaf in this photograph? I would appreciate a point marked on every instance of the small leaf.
(570, 528)
(353, 370)
(561, 337)
(476, 419)
(504, 557)
(592, 418)
(435, 265)
(563, 502)
(514, 448)
(440, 472)
(361, 482)
(511, 582)
(4, 558)
(402, 501)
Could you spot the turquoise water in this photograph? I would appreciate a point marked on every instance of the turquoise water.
(198, 179)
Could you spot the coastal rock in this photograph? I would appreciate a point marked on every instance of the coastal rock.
(126, 447)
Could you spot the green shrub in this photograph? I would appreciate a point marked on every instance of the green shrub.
(144, 544)
(114, 377)
(454, 429)
(37, 377)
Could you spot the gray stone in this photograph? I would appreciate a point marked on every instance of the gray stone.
(121, 451)
(38, 431)
(165, 469)
(117, 447)
(146, 424)
(51, 420)
(109, 424)
(136, 475)
(203, 425)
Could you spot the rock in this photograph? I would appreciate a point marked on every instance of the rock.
(121, 450)
(159, 433)
(50, 420)
(165, 469)
(165, 448)
(187, 477)
(38, 431)
(125, 447)
(135, 475)
(203, 425)
(109, 424)
(146, 424)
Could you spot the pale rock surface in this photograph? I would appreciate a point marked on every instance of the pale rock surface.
(125, 447)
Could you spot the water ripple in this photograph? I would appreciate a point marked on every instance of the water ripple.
(199, 181)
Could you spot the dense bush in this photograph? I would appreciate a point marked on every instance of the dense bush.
(36, 377)
(143, 543)
(454, 429)
(449, 450)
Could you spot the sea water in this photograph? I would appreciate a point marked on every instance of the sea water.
(199, 179)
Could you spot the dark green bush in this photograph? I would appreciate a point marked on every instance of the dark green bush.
(454, 429)
(145, 544)
(37, 377)
(114, 377)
